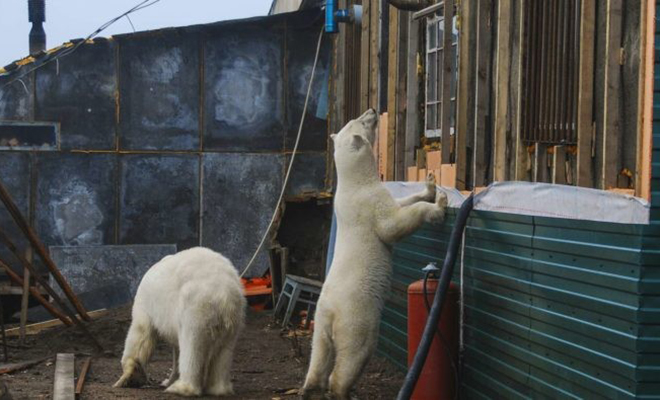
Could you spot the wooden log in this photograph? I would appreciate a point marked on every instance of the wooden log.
(586, 93)
(41, 250)
(446, 73)
(645, 119)
(482, 92)
(413, 127)
(502, 87)
(63, 387)
(612, 124)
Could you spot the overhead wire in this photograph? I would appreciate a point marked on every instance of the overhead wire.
(140, 6)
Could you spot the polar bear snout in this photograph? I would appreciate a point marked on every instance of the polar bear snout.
(369, 118)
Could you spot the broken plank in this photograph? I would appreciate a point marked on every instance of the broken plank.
(612, 124)
(83, 375)
(13, 367)
(34, 329)
(63, 388)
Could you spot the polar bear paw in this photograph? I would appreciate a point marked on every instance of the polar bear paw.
(441, 199)
(183, 389)
(430, 187)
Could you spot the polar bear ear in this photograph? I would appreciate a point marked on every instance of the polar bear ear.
(333, 136)
(358, 141)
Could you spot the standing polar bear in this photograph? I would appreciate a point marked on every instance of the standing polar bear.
(369, 222)
(193, 300)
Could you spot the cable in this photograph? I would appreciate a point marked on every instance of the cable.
(140, 6)
(293, 157)
(441, 337)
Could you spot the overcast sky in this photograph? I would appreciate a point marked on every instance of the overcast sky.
(71, 19)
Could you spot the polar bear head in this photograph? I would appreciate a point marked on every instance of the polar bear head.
(353, 144)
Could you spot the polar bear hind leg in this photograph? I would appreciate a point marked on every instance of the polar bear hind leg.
(194, 345)
(321, 359)
(140, 344)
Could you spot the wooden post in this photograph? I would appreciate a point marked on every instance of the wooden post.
(447, 74)
(63, 387)
(611, 153)
(645, 119)
(482, 92)
(522, 155)
(413, 128)
(25, 296)
(559, 165)
(401, 95)
(586, 93)
(365, 50)
(502, 82)
(463, 94)
(391, 87)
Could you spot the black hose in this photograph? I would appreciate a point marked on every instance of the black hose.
(434, 316)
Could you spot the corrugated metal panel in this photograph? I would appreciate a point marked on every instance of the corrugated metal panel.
(554, 307)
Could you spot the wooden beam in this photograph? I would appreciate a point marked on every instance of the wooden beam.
(522, 155)
(482, 93)
(645, 119)
(63, 388)
(25, 296)
(365, 50)
(463, 94)
(33, 329)
(559, 165)
(447, 74)
(586, 93)
(413, 127)
(611, 152)
(374, 58)
(391, 87)
(502, 88)
(401, 95)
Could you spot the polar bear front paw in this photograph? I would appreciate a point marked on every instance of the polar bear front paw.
(441, 200)
(430, 187)
(183, 389)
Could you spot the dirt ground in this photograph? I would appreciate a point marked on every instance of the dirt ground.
(268, 363)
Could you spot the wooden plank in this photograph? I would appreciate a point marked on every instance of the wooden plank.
(83, 375)
(63, 388)
(33, 329)
(413, 127)
(383, 153)
(421, 175)
(645, 119)
(559, 165)
(447, 74)
(482, 93)
(401, 95)
(374, 58)
(433, 160)
(464, 63)
(448, 175)
(412, 174)
(502, 82)
(586, 93)
(391, 87)
(421, 158)
(365, 50)
(611, 151)
(14, 367)
(522, 155)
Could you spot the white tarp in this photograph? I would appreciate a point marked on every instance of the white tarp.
(545, 200)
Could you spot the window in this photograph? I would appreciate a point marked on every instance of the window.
(435, 74)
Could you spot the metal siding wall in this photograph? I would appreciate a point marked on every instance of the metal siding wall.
(554, 307)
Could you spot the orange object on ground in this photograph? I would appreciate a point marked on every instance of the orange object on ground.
(257, 291)
(437, 380)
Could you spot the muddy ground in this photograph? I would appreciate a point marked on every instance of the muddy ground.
(268, 363)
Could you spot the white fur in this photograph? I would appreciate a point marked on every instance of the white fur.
(369, 222)
(193, 300)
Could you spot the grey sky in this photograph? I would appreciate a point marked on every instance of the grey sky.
(70, 19)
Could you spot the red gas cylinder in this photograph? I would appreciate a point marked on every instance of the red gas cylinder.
(437, 380)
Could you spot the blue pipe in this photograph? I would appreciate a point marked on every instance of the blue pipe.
(331, 25)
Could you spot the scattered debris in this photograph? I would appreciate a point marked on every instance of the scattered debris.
(13, 367)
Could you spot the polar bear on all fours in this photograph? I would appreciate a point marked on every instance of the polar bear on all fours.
(193, 300)
(369, 221)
